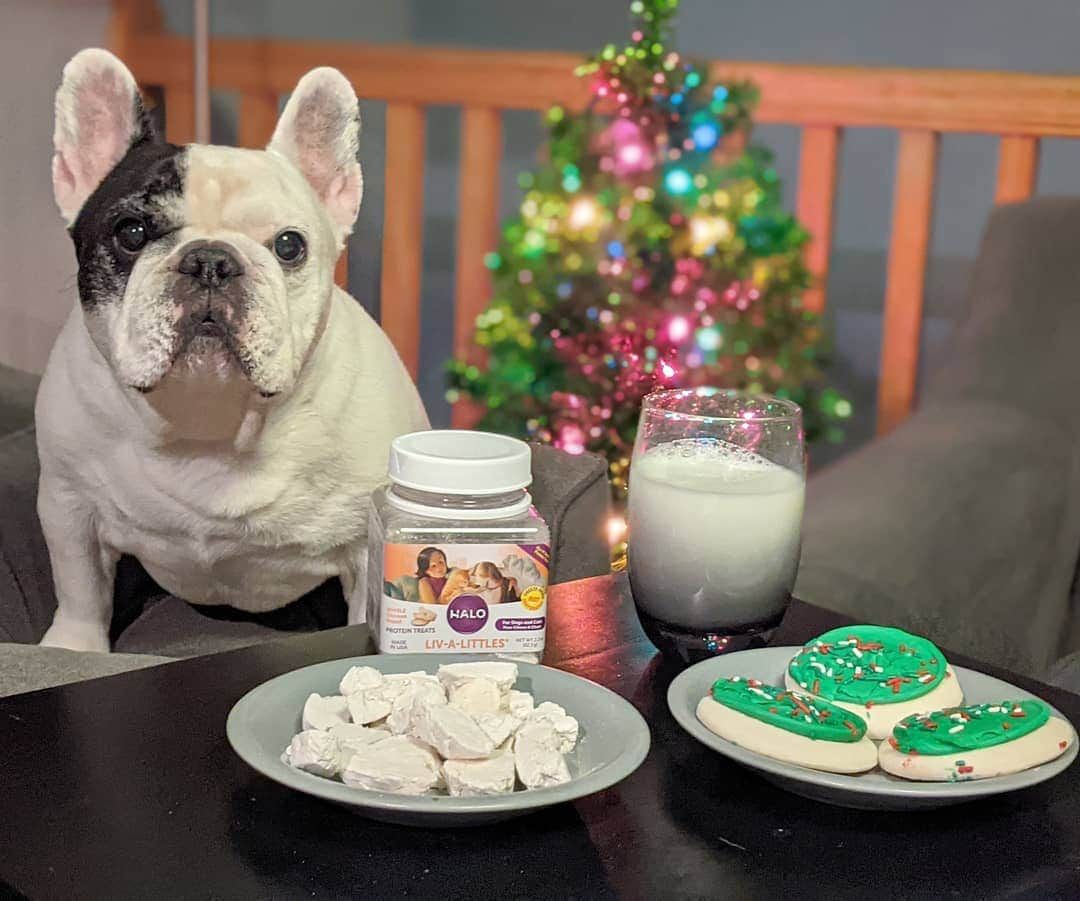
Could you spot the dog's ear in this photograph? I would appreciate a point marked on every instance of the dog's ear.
(99, 116)
(319, 131)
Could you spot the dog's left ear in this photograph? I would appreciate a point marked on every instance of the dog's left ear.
(319, 131)
(99, 117)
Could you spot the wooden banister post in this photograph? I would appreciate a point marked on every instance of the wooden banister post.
(818, 157)
(179, 114)
(128, 20)
(403, 223)
(1018, 167)
(913, 207)
(477, 233)
(257, 118)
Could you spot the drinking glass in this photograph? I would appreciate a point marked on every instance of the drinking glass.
(717, 482)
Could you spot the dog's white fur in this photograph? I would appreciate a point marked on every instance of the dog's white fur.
(224, 495)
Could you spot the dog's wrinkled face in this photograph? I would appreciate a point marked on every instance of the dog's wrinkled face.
(204, 260)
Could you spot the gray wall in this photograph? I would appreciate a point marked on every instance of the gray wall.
(1038, 36)
(36, 259)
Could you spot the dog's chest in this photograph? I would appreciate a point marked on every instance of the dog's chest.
(215, 530)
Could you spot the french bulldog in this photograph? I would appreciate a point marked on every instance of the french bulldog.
(214, 405)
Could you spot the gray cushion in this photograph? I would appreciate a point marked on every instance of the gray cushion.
(963, 524)
(28, 667)
(1066, 673)
(954, 526)
(17, 392)
(573, 496)
(174, 628)
(26, 591)
(1016, 344)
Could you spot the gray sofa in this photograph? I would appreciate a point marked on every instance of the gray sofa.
(150, 626)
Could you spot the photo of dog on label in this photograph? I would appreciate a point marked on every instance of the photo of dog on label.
(215, 406)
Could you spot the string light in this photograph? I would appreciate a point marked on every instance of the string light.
(571, 439)
(583, 213)
(616, 528)
(631, 150)
(706, 135)
(534, 243)
(678, 328)
(708, 231)
(678, 181)
(708, 339)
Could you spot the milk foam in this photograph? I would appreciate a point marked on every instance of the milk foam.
(709, 465)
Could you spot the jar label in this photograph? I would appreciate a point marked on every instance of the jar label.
(463, 598)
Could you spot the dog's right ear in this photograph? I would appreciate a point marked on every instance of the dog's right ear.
(319, 131)
(99, 117)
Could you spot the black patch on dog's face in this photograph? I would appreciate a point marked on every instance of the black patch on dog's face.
(146, 184)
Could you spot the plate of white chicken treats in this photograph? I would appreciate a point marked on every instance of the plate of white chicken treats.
(442, 740)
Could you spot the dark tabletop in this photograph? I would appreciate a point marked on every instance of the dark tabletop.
(126, 787)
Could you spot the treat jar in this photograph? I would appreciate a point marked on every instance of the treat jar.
(458, 557)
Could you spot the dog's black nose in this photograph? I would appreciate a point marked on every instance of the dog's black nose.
(211, 266)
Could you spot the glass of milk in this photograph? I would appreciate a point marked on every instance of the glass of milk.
(717, 482)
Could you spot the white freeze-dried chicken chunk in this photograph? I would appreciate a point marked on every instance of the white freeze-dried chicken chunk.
(352, 736)
(498, 726)
(537, 759)
(472, 778)
(397, 765)
(476, 696)
(520, 704)
(504, 675)
(360, 678)
(451, 732)
(323, 712)
(368, 706)
(406, 704)
(565, 726)
(314, 751)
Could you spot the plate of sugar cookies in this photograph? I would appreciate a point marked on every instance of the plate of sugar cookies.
(872, 717)
(438, 741)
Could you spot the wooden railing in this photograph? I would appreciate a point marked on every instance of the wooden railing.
(824, 101)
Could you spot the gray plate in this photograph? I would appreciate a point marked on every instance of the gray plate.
(875, 790)
(613, 741)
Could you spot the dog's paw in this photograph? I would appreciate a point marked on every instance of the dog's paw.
(75, 636)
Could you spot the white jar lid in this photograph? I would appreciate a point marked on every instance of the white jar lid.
(455, 461)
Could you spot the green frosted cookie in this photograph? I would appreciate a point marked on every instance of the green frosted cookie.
(875, 664)
(787, 725)
(968, 728)
(978, 741)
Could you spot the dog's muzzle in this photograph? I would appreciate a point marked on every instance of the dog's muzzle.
(210, 291)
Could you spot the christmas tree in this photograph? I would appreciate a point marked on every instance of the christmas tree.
(652, 250)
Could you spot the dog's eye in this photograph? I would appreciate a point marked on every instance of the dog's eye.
(289, 246)
(131, 235)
